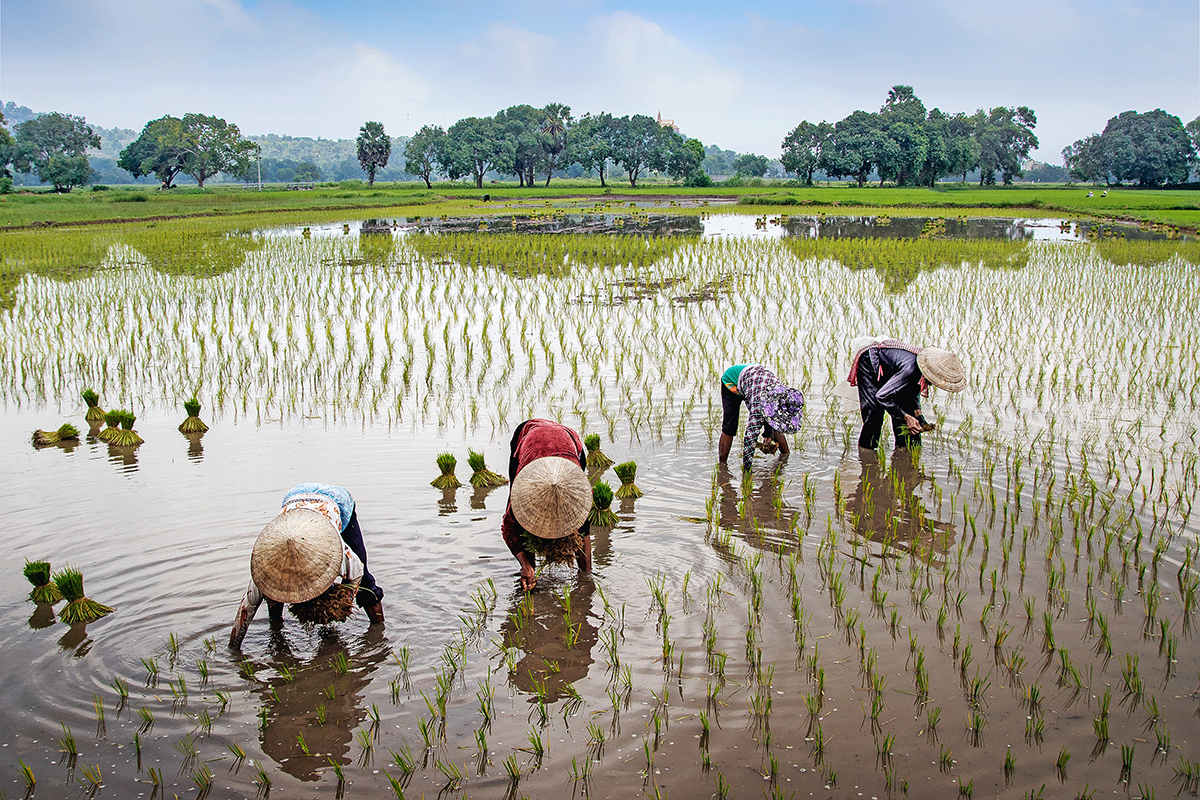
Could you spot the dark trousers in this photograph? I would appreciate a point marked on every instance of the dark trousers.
(873, 414)
(369, 592)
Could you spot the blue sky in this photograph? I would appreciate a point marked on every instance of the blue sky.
(735, 75)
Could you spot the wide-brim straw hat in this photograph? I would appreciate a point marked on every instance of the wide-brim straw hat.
(551, 497)
(942, 368)
(296, 557)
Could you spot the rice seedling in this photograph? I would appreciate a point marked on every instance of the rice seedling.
(627, 472)
(44, 590)
(92, 779)
(66, 743)
(94, 414)
(446, 480)
(64, 433)
(1127, 763)
(79, 609)
(192, 422)
(262, 780)
(481, 476)
(203, 777)
(601, 515)
(597, 461)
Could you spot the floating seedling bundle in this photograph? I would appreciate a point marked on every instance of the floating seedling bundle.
(335, 604)
(481, 476)
(125, 436)
(79, 609)
(113, 420)
(597, 462)
(95, 414)
(193, 423)
(44, 590)
(627, 472)
(65, 433)
(601, 515)
(446, 463)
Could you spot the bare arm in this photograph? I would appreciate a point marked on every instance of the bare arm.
(245, 613)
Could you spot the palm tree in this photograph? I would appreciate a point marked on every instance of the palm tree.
(556, 120)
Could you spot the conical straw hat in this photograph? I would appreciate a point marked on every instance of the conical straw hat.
(551, 497)
(296, 557)
(942, 368)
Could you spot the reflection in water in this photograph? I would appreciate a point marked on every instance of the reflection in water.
(124, 457)
(759, 514)
(195, 451)
(292, 705)
(448, 504)
(886, 505)
(42, 617)
(76, 639)
(479, 496)
(556, 635)
(67, 446)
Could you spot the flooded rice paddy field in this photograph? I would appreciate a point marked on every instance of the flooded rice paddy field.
(1009, 612)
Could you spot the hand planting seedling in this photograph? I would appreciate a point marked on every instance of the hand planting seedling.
(481, 476)
(627, 472)
(79, 609)
(335, 604)
(65, 433)
(44, 589)
(446, 463)
(193, 423)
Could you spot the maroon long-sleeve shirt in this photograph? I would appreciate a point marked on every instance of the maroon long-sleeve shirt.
(537, 438)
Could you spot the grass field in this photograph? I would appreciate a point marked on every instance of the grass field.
(1175, 207)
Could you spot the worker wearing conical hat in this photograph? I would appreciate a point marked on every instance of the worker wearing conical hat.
(549, 495)
(313, 543)
(892, 377)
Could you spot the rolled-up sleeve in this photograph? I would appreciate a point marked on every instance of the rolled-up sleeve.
(251, 600)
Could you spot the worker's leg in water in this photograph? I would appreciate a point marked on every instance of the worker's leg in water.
(731, 408)
(872, 428)
(584, 557)
(275, 612)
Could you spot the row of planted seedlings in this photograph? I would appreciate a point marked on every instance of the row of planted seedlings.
(424, 337)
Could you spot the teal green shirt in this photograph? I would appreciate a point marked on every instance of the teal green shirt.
(730, 376)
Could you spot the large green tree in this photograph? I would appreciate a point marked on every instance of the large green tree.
(902, 142)
(472, 147)
(854, 147)
(1005, 137)
(55, 147)
(213, 146)
(751, 165)
(374, 149)
(424, 152)
(160, 150)
(962, 149)
(802, 148)
(1084, 159)
(592, 143)
(518, 142)
(6, 143)
(1151, 148)
(637, 144)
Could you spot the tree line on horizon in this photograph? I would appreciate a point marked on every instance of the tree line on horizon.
(903, 143)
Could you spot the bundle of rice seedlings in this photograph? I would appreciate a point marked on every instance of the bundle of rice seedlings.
(95, 414)
(627, 472)
(555, 551)
(126, 436)
(65, 433)
(78, 608)
(601, 515)
(112, 418)
(481, 476)
(193, 423)
(44, 590)
(596, 460)
(335, 604)
(446, 463)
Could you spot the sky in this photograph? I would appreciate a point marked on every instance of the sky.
(732, 74)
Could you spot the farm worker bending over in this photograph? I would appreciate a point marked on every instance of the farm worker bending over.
(775, 409)
(549, 499)
(312, 556)
(892, 377)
